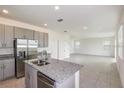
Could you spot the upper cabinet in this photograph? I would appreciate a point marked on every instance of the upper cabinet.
(1, 35)
(19, 33)
(9, 36)
(29, 34)
(8, 33)
(37, 37)
(41, 42)
(45, 39)
(23, 33)
(42, 39)
(6, 36)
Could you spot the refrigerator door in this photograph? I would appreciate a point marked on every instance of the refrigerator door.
(32, 49)
(20, 47)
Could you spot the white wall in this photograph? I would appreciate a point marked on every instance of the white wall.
(95, 46)
(120, 60)
(54, 37)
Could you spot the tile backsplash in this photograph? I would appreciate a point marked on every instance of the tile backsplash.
(41, 49)
(10, 50)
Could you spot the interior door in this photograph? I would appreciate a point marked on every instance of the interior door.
(66, 49)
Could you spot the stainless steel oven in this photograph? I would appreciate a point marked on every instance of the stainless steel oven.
(44, 81)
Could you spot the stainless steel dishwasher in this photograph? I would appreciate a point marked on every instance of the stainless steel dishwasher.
(44, 81)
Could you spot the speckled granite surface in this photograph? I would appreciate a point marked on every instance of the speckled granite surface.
(58, 70)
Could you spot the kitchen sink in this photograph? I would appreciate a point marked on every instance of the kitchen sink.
(41, 63)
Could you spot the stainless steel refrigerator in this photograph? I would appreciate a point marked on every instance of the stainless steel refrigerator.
(24, 50)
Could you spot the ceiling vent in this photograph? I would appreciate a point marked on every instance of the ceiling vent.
(60, 20)
(65, 31)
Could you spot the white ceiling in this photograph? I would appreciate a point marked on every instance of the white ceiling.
(101, 20)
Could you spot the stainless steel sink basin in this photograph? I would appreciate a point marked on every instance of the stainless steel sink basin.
(41, 63)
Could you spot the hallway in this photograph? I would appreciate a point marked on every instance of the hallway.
(98, 72)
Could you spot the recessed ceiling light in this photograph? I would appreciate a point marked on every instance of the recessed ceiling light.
(57, 7)
(45, 24)
(5, 11)
(85, 27)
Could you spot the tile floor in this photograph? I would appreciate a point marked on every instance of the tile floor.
(98, 72)
(13, 83)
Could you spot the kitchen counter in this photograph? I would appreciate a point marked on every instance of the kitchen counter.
(57, 70)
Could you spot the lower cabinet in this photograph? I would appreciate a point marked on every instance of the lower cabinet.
(1, 71)
(30, 76)
(7, 69)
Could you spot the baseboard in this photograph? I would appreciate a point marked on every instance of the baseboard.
(90, 55)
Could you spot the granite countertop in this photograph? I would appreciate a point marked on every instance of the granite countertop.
(57, 70)
(6, 56)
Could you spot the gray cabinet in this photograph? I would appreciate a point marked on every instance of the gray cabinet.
(29, 34)
(1, 70)
(6, 36)
(1, 35)
(42, 38)
(23, 33)
(19, 33)
(7, 69)
(9, 35)
(45, 40)
(37, 36)
(30, 76)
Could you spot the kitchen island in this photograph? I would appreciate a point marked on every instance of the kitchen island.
(61, 74)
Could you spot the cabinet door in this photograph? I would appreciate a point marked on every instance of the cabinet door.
(9, 68)
(1, 35)
(27, 76)
(41, 39)
(19, 33)
(1, 70)
(37, 36)
(9, 35)
(30, 76)
(45, 40)
(33, 80)
(29, 34)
